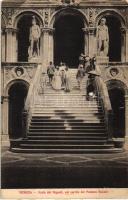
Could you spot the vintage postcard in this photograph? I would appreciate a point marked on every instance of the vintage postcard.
(64, 99)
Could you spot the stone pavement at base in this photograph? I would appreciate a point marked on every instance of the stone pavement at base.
(64, 170)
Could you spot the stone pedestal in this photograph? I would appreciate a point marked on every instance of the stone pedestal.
(102, 59)
(34, 59)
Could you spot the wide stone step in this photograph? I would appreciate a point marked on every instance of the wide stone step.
(84, 115)
(44, 119)
(65, 130)
(65, 146)
(64, 142)
(69, 112)
(47, 120)
(67, 150)
(69, 127)
(87, 120)
(68, 137)
(78, 124)
(64, 133)
(88, 106)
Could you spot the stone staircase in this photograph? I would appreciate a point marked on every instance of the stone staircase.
(66, 123)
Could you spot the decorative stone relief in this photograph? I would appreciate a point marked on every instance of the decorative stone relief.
(46, 17)
(91, 16)
(10, 13)
(114, 72)
(18, 72)
(124, 13)
(69, 2)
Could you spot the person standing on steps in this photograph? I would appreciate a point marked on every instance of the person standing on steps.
(50, 72)
(80, 75)
(63, 79)
(67, 80)
(56, 81)
(87, 66)
(82, 59)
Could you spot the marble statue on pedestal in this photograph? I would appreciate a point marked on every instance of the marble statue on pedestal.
(102, 38)
(35, 33)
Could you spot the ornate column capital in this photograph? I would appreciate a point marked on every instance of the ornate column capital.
(89, 30)
(48, 30)
(11, 30)
(2, 30)
(5, 98)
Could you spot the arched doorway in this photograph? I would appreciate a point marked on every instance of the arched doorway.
(24, 24)
(68, 38)
(17, 95)
(117, 98)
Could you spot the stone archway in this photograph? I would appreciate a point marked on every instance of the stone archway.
(115, 23)
(17, 94)
(69, 38)
(5, 105)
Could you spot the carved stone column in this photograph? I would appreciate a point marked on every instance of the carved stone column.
(3, 50)
(11, 45)
(126, 116)
(86, 41)
(126, 45)
(90, 41)
(5, 134)
(123, 44)
(47, 45)
(51, 45)
(126, 121)
(15, 42)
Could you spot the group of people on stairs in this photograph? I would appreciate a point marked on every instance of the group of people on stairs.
(60, 76)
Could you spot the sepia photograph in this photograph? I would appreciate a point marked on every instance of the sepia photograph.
(64, 99)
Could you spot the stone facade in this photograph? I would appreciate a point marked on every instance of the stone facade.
(46, 12)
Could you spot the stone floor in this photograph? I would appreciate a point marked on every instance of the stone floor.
(64, 170)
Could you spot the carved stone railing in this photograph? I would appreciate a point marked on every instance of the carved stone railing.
(30, 100)
(104, 99)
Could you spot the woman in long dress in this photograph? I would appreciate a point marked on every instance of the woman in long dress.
(56, 82)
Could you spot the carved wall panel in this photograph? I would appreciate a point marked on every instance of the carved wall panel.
(22, 72)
